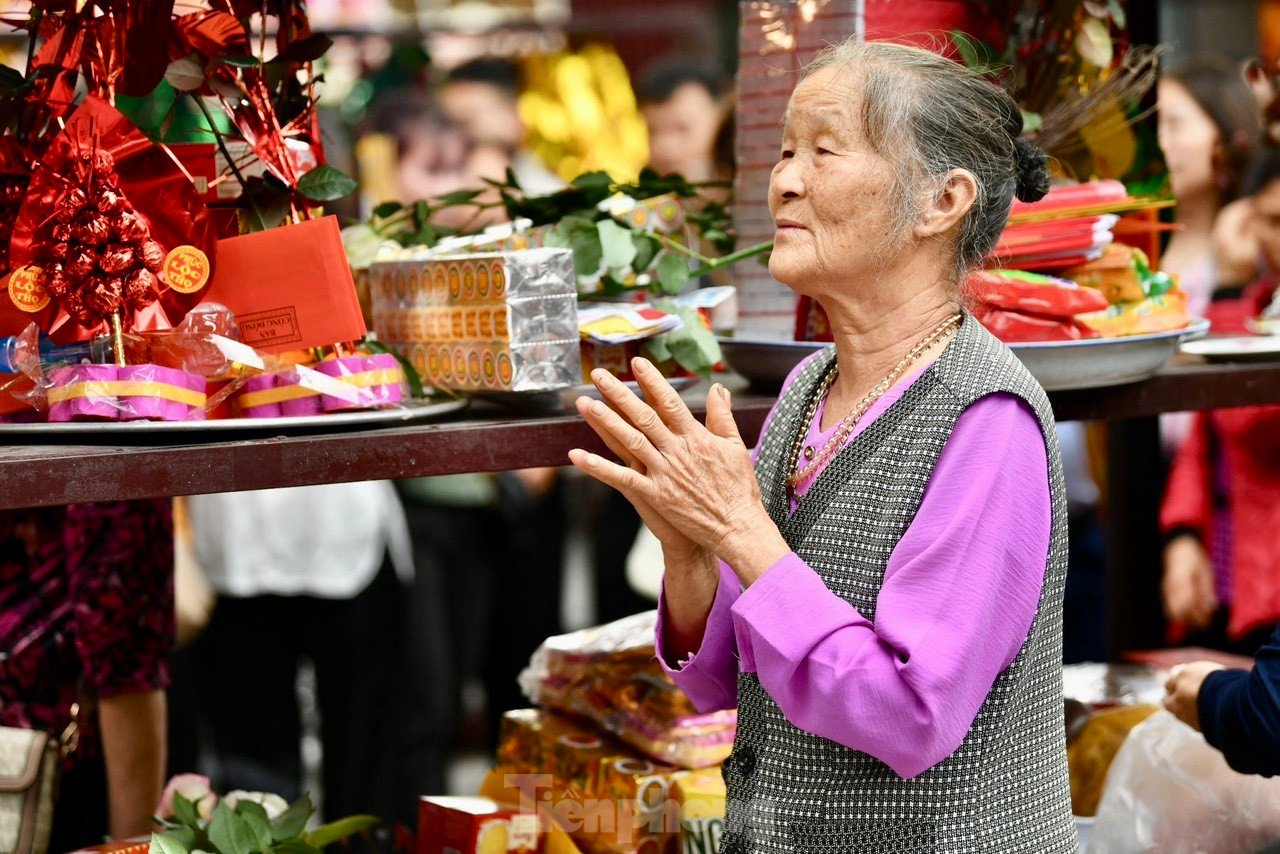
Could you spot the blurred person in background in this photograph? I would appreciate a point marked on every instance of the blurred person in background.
(683, 107)
(482, 98)
(303, 574)
(86, 617)
(488, 548)
(1221, 510)
(1207, 124)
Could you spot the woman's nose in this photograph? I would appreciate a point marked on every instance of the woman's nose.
(788, 182)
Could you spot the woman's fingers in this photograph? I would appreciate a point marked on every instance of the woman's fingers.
(632, 443)
(621, 478)
(720, 414)
(664, 399)
(612, 442)
(633, 409)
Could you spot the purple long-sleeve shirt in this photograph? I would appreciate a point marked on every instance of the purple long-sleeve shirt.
(960, 593)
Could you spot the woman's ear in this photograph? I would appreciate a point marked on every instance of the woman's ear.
(958, 193)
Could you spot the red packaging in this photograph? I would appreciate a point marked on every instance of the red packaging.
(104, 198)
(475, 826)
(1013, 327)
(290, 288)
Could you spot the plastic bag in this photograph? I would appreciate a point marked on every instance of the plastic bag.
(1169, 791)
(609, 674)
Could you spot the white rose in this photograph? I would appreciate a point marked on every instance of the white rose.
(274, 805)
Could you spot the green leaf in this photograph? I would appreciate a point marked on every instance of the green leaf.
(457, 197)
(325, 183)
(593, 181)
(657, 349)
(1117, 13)
(10, 78)
(229, 833)
(673, 272)
(587, 251)
(973, 53)
(293, 821)
(307, 49)
(189, 838)
(647, 249)
(295, 846)
(163, 843)
(693, 345)
(185, 811)
(387, 209)
(615, 243)
(240, 60)
(1032, 122)
(185, 74)
(149, 112)
(338, 830)
(255, 818)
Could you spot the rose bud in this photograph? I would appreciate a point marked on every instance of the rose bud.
(152, 255)
(116, 258)
(61, 233)
(129, 227)
(80, 263)
(70, 204)
(91, 228)
(13, 193)
(105, 296)
(109, 201)
(141, 288)
(73, 306)
(56, 282)
(60, 251)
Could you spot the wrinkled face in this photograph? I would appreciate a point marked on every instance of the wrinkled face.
(1188, 138)
(831, 194)
(682, 132)
(1266, 223)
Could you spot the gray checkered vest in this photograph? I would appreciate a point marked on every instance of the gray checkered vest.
(1006, 786)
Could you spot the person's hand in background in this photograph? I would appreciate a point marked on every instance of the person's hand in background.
(1182, 691)
(1187, 588)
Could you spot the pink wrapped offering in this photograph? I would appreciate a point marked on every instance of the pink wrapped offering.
(130, 393)
(79, 393)
(280, 394)
(377, 381)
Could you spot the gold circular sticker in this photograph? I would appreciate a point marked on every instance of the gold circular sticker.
(26, 289)
(186, 269)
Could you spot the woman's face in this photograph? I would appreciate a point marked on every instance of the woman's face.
(1266, 222)
(830, 194)
(1188, 138)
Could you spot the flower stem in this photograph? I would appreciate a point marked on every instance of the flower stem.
(733, 258)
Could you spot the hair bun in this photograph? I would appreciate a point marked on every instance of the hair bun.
(1031, 170)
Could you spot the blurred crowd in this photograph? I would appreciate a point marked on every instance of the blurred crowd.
(391, 620)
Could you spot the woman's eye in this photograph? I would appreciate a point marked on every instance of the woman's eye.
(824, 151)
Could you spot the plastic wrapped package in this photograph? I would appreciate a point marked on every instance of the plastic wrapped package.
(610, 800)
(334, 385)
(128, 393)
(1169, 791)
(607, 797)
(495, 321)
(609, 674)
(1104, 685)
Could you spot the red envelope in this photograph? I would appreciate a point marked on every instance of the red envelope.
(290, 288)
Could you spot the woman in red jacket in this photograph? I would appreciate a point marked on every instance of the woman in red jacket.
(1221, 511)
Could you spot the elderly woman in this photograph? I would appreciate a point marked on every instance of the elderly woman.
(881, 598)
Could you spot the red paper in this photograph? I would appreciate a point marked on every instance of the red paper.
(290, 288)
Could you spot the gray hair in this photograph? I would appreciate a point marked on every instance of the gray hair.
(927, 115)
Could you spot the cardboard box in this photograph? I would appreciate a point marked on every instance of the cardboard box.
(448, 825)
